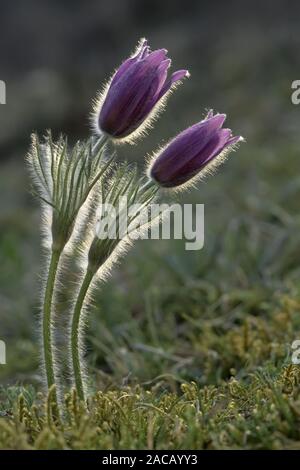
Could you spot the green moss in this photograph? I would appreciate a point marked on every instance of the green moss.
(262, 411)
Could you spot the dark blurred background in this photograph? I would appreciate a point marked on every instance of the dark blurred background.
(243, 57)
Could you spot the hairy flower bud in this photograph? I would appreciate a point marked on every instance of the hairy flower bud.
(191, 151)
(135, 90)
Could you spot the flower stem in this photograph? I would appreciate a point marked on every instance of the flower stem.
(75, 334)
(149, 184)
(100, 143)
(47, 341)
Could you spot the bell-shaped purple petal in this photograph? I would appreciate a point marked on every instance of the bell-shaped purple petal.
(135, 90)
(156, 57)
(191, 151)
(143, 50)
(175, 77)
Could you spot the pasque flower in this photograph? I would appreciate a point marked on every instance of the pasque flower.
(137, 87)
(193, 150)
(70, 182)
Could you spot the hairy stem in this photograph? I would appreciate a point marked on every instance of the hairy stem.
(100, 143)
(47, 340)
(75, 334)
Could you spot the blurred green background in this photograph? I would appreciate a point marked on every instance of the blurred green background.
(166, 314)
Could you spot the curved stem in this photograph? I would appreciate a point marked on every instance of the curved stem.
(75, 333)
(100, 143)
(149, 184)
(47, 341)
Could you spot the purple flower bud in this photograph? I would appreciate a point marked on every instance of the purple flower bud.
(191, 151)
(136, 88)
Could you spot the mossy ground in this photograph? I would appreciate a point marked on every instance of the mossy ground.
(261, 412)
